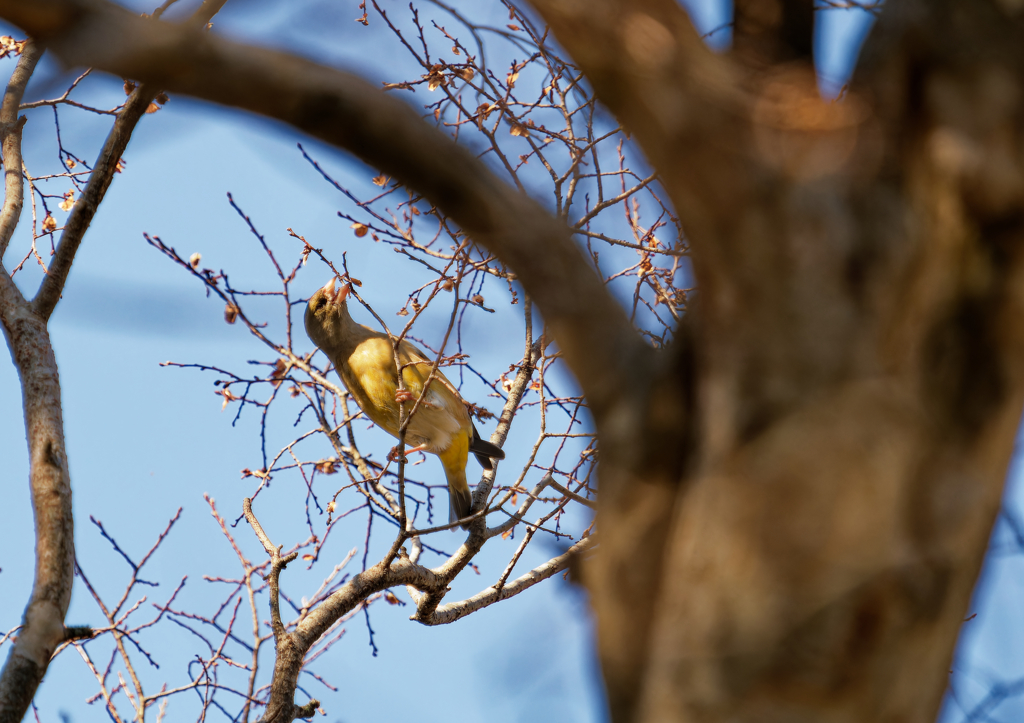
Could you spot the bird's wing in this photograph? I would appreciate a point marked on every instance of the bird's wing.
(369, 374)
(441, 394)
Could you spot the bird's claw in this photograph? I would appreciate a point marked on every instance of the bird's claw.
(404, 395)
(394, 456)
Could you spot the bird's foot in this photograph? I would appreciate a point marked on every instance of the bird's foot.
(404, 395)
(393, 455)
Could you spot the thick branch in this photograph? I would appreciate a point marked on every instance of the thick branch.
(820, 277)
(99, 181)
(293, 647)
(89, 202)
(10, 131)
(766, 32)
(346, 111)
(51, 501)
(43, 624)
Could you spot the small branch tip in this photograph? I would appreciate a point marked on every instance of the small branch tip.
(78, 632)
(308, 710)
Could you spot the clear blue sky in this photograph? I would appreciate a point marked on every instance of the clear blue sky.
(144, 440)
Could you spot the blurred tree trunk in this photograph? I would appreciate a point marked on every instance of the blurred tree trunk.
(806, 545)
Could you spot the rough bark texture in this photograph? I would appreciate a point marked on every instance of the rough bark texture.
(858, 342)
(43, 622)
(796, 498)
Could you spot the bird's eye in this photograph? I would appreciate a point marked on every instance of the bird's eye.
(320, 303)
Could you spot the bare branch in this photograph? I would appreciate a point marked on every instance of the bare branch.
(103, 172)
(451, 612)
(293, 646)
(572, 495)
(346, 111)
(320, 618)
(762, 38)
(10, 131)
(26, 334)
(25, 328)
(278, 563)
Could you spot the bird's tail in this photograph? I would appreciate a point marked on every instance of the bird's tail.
(460, 502)
(460, 498)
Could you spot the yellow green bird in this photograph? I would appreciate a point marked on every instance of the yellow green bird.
(365, 362)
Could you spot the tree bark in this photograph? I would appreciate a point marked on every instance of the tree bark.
(43, 623)
(858, 347)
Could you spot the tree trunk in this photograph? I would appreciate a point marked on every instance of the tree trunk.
(856, 350)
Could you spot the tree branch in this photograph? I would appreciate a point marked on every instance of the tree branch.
(10, 131)
(293, 647)
(453, 611)
(277, 564)
(337, 107)
(515, 395)
(89, 202)
(768, 32)
(99, 180)
(43, 622)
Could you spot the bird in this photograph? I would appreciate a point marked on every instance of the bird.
(365, 360)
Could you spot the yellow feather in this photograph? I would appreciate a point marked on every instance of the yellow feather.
(366, 365)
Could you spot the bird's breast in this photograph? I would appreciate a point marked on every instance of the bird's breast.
(370, 375)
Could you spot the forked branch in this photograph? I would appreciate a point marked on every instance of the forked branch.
(342, 109)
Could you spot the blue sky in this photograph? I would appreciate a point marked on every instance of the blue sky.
(145, 439)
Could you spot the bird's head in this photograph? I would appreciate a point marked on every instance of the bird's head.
(326, 314)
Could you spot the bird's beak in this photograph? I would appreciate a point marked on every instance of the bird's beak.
(335, 297)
